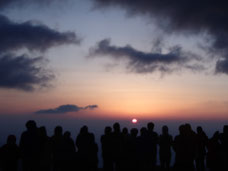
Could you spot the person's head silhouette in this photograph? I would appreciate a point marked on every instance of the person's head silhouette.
(199, 130)
(125, 131)
(116, 127)
(43, 131)
(150, 126)
(58, 130)
(134, 132)
(182, 129)
(165, 130)
(143, 131)
(30, 125)
(108, 130)
(67, 134)
(84, 130)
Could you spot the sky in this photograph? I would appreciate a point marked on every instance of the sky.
(113, 60)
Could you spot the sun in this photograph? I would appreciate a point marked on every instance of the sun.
(134, 121)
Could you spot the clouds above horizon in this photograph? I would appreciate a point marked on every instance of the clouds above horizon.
(65, 109)
(25, 72)
(185, 18)
(146, 62)
(32, 36)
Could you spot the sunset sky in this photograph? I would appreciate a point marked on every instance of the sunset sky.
(114, 59)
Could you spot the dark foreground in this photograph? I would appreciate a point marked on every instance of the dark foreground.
(121, 150)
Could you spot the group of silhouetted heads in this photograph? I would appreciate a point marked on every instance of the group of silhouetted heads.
(136, 150)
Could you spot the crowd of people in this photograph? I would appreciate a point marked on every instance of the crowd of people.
(134, 150)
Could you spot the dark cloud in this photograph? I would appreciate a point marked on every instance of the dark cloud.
(65, 109)
(5, 3)
(32, 36)
(142, 62)
(222, 66)
(24, 73)
(185, 17)
(19, 3)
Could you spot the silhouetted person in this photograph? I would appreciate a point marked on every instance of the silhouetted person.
(106, 145)
(224, 146)
(126, 149)
(165, 143)
(30, 146)
(133, 151)
(142, 149)
(69, 151)
(82, 143)
(10, 154)
(184, 147)
(93, 150)
(201, 142)
(45, 150)
(86, 149)
(57, 143)
(117, 146)
(191, 145)
(125, 131)
(152, 146)
(214, 157)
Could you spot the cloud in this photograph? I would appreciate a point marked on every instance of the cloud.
(65, 109)
(222, 66)
(18, 3)
(91, 107)
(189, 17)
(23, 73)
(142, 62)
(5, 3)
(32, 36)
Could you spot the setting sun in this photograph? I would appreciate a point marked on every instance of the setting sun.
(134, 121)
